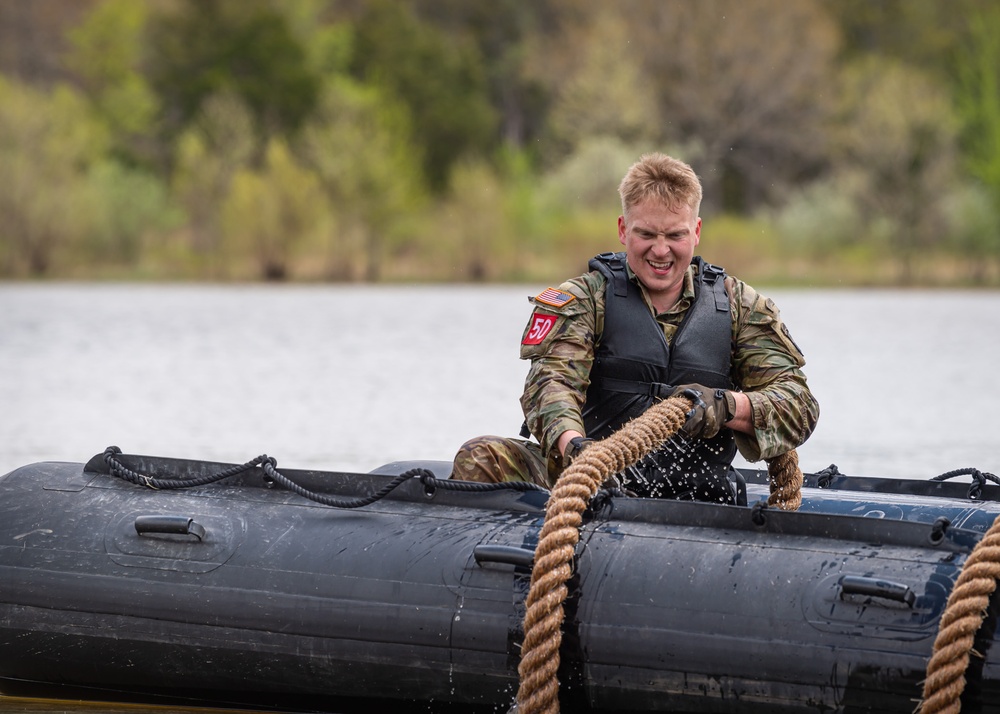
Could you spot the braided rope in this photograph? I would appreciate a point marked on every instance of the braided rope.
(539, 686)
(786, 481)
(962, 618)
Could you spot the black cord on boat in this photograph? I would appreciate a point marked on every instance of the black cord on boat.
(118, 469)
(432, 482)
(427, 478)
(825, 477)
(269, 466)
(979, 479)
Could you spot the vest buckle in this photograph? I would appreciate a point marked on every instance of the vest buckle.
(660, 390)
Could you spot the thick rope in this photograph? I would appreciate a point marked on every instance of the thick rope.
(962, 618)
(539, 687)
(786, 481)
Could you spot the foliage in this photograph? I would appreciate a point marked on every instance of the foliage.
(474, 227)
(359, 146)
(977, 92)
(606, 94)
(484, 140)
(328, 46)
(898, 140)
(822, 217)
(920, 33)
(240, 47)
(129, 205)
(750, 84)
(506, 33)
(438, 78)
(219, 143)
(107, 50)
(590, 176)
(272, 211)
(973, 216)
(48, 144)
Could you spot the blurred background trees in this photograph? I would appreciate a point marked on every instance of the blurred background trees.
(848, 142)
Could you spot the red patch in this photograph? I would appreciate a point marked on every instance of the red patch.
(541, 326)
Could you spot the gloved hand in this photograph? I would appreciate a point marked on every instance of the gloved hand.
(712, 408)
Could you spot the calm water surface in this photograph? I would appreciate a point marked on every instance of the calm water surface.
(352, 377)
(347, 378)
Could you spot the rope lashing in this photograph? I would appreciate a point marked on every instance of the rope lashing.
(961, 620)
(538, 692)
(979, 479)
(269, 466)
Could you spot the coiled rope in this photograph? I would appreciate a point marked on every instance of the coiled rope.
(961, 620)
(538, 692)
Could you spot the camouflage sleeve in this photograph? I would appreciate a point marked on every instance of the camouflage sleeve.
(556, 386)
(767, 366)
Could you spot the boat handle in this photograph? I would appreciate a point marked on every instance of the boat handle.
(861, 585)
(173, 525)
(509, 554)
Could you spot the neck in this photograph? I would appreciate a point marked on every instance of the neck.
(662, 303)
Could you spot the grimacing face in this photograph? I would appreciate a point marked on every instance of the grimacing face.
(659, 244)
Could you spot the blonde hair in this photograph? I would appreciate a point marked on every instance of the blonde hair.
(663, 177)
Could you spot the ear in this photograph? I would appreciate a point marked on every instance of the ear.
(697, 231)
(621, 229)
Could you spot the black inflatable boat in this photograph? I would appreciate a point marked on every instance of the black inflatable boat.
(243, 589)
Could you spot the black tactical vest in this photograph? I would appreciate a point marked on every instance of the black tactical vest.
(634, 366)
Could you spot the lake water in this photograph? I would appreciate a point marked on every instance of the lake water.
(350, 377)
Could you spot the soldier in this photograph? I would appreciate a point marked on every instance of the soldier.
(646, 324)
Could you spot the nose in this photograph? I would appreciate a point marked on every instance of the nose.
(660, 245)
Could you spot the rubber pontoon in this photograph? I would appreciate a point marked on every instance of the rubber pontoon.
(240, 592)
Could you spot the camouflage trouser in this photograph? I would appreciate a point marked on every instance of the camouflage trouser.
(492, 459)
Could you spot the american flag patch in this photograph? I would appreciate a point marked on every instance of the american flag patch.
(553, 297)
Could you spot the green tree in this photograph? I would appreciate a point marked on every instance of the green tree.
(474, 226)
(48, 144)
(218, 144)
(439, 78)
(360, 146)
(505, 32)
(272, 211)
(128, 204)
(606, 93)
(917, 32)
(107, 54)
(977, 93)
(327, 41)
(239, 47)
(974, 219)
(747, 85)
(898, 137)
(977, 102)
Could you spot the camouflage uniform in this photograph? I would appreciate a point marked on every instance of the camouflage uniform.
(766, 366)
